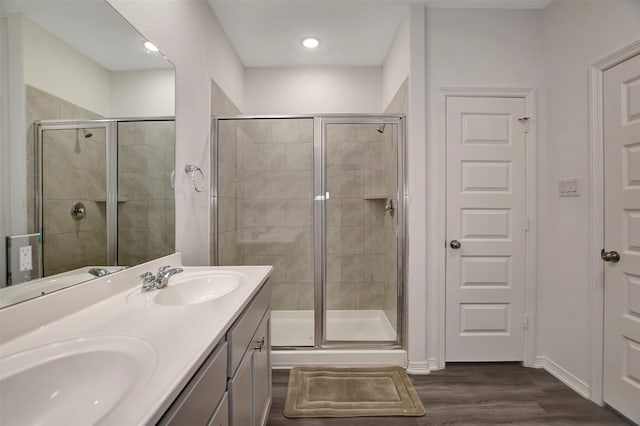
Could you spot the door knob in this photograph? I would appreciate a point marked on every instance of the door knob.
(610, 256)
(455, 244)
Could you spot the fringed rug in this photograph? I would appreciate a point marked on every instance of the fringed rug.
(351, 392)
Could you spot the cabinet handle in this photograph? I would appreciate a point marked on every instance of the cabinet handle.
(259, 344)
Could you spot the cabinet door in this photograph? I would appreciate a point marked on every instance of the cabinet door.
(221, 416)
(262, 372)
(240, 391)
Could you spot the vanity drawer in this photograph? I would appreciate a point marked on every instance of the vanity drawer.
(221, 416)
(241, 333)
(200, 397)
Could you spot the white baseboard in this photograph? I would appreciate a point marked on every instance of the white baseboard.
(563, 375)
(418, 367)
(432, 363)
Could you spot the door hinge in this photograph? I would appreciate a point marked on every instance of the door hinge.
(525, 121)
(525, 322)
(526, 225)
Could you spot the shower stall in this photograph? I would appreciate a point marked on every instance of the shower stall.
(322, 199)
(103, 191)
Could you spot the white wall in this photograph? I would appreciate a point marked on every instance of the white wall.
(192, 38)
(148, 93)
(417, 203)
(299, 90)
(576, 34)
(59, 69)
(471, 48)
(5, 184)
(17, 111)
(396, 65)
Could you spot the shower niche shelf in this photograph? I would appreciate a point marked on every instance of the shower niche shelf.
(375, 196)
(102, 200)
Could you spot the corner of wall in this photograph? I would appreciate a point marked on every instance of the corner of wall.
(560, 373)
(395, 69)
(416, 213)
(5, 192)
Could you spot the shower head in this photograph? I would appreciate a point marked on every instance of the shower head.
(380, 129)
(87, 133)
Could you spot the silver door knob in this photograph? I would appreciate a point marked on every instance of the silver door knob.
(455, 244)
(610, 256)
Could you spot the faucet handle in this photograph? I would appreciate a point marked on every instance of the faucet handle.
(146, 276)
(162, 269)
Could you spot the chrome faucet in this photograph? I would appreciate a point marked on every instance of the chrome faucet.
(160, 280)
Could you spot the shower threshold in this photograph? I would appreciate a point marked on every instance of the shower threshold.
(296, 328)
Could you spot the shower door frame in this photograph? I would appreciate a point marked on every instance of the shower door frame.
(319, 220)
(111, 178)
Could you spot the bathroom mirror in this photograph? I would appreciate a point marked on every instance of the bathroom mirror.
(92, 109)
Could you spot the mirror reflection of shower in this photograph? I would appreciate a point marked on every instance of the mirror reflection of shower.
(93, 164)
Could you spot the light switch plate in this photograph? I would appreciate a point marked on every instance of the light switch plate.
(569, 187)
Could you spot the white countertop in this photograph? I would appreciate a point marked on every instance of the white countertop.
(181, 336)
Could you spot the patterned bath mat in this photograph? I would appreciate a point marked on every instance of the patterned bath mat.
(351, 392)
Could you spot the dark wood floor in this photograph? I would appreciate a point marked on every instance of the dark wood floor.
(465, 394)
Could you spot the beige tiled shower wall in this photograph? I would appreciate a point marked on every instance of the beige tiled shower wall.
(146, 212)
(229, 207)
(398, 105)
(74, 170)
(355, 217)
(275, 213)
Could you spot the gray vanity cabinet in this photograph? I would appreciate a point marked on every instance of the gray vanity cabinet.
(233, 386)
(250, 365)
(262, 372)
(204, 396)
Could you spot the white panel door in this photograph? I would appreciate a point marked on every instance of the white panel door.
(486, 178)
(622, 234)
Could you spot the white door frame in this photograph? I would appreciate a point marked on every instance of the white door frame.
(530, 258)
(596, 230)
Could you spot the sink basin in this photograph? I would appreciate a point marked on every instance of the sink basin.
(79, 381)
(190, 288)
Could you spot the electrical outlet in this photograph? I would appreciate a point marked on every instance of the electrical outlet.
(26, 263)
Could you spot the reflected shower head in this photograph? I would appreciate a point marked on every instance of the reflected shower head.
(380, 129)
(87, 133)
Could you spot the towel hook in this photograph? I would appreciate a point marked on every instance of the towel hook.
(192, 170)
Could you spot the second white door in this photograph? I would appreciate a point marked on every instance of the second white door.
(486, 225)
(622, 238)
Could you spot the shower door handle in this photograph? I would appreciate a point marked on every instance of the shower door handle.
(324, 197)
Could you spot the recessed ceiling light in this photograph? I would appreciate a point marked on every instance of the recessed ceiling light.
(311, 43)
(151, 47)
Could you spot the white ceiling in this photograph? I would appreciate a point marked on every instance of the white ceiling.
(267, 33)
(94, 28)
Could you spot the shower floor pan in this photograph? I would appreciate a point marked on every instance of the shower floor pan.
(295, 328)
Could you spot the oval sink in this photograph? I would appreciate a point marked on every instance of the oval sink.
(79, 381)
(191, 288)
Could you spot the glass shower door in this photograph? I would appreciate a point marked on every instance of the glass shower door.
(264, 197)
(361, 294)
(73, 176)
(146, 206)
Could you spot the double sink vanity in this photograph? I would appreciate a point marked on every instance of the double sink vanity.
(195, 351)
